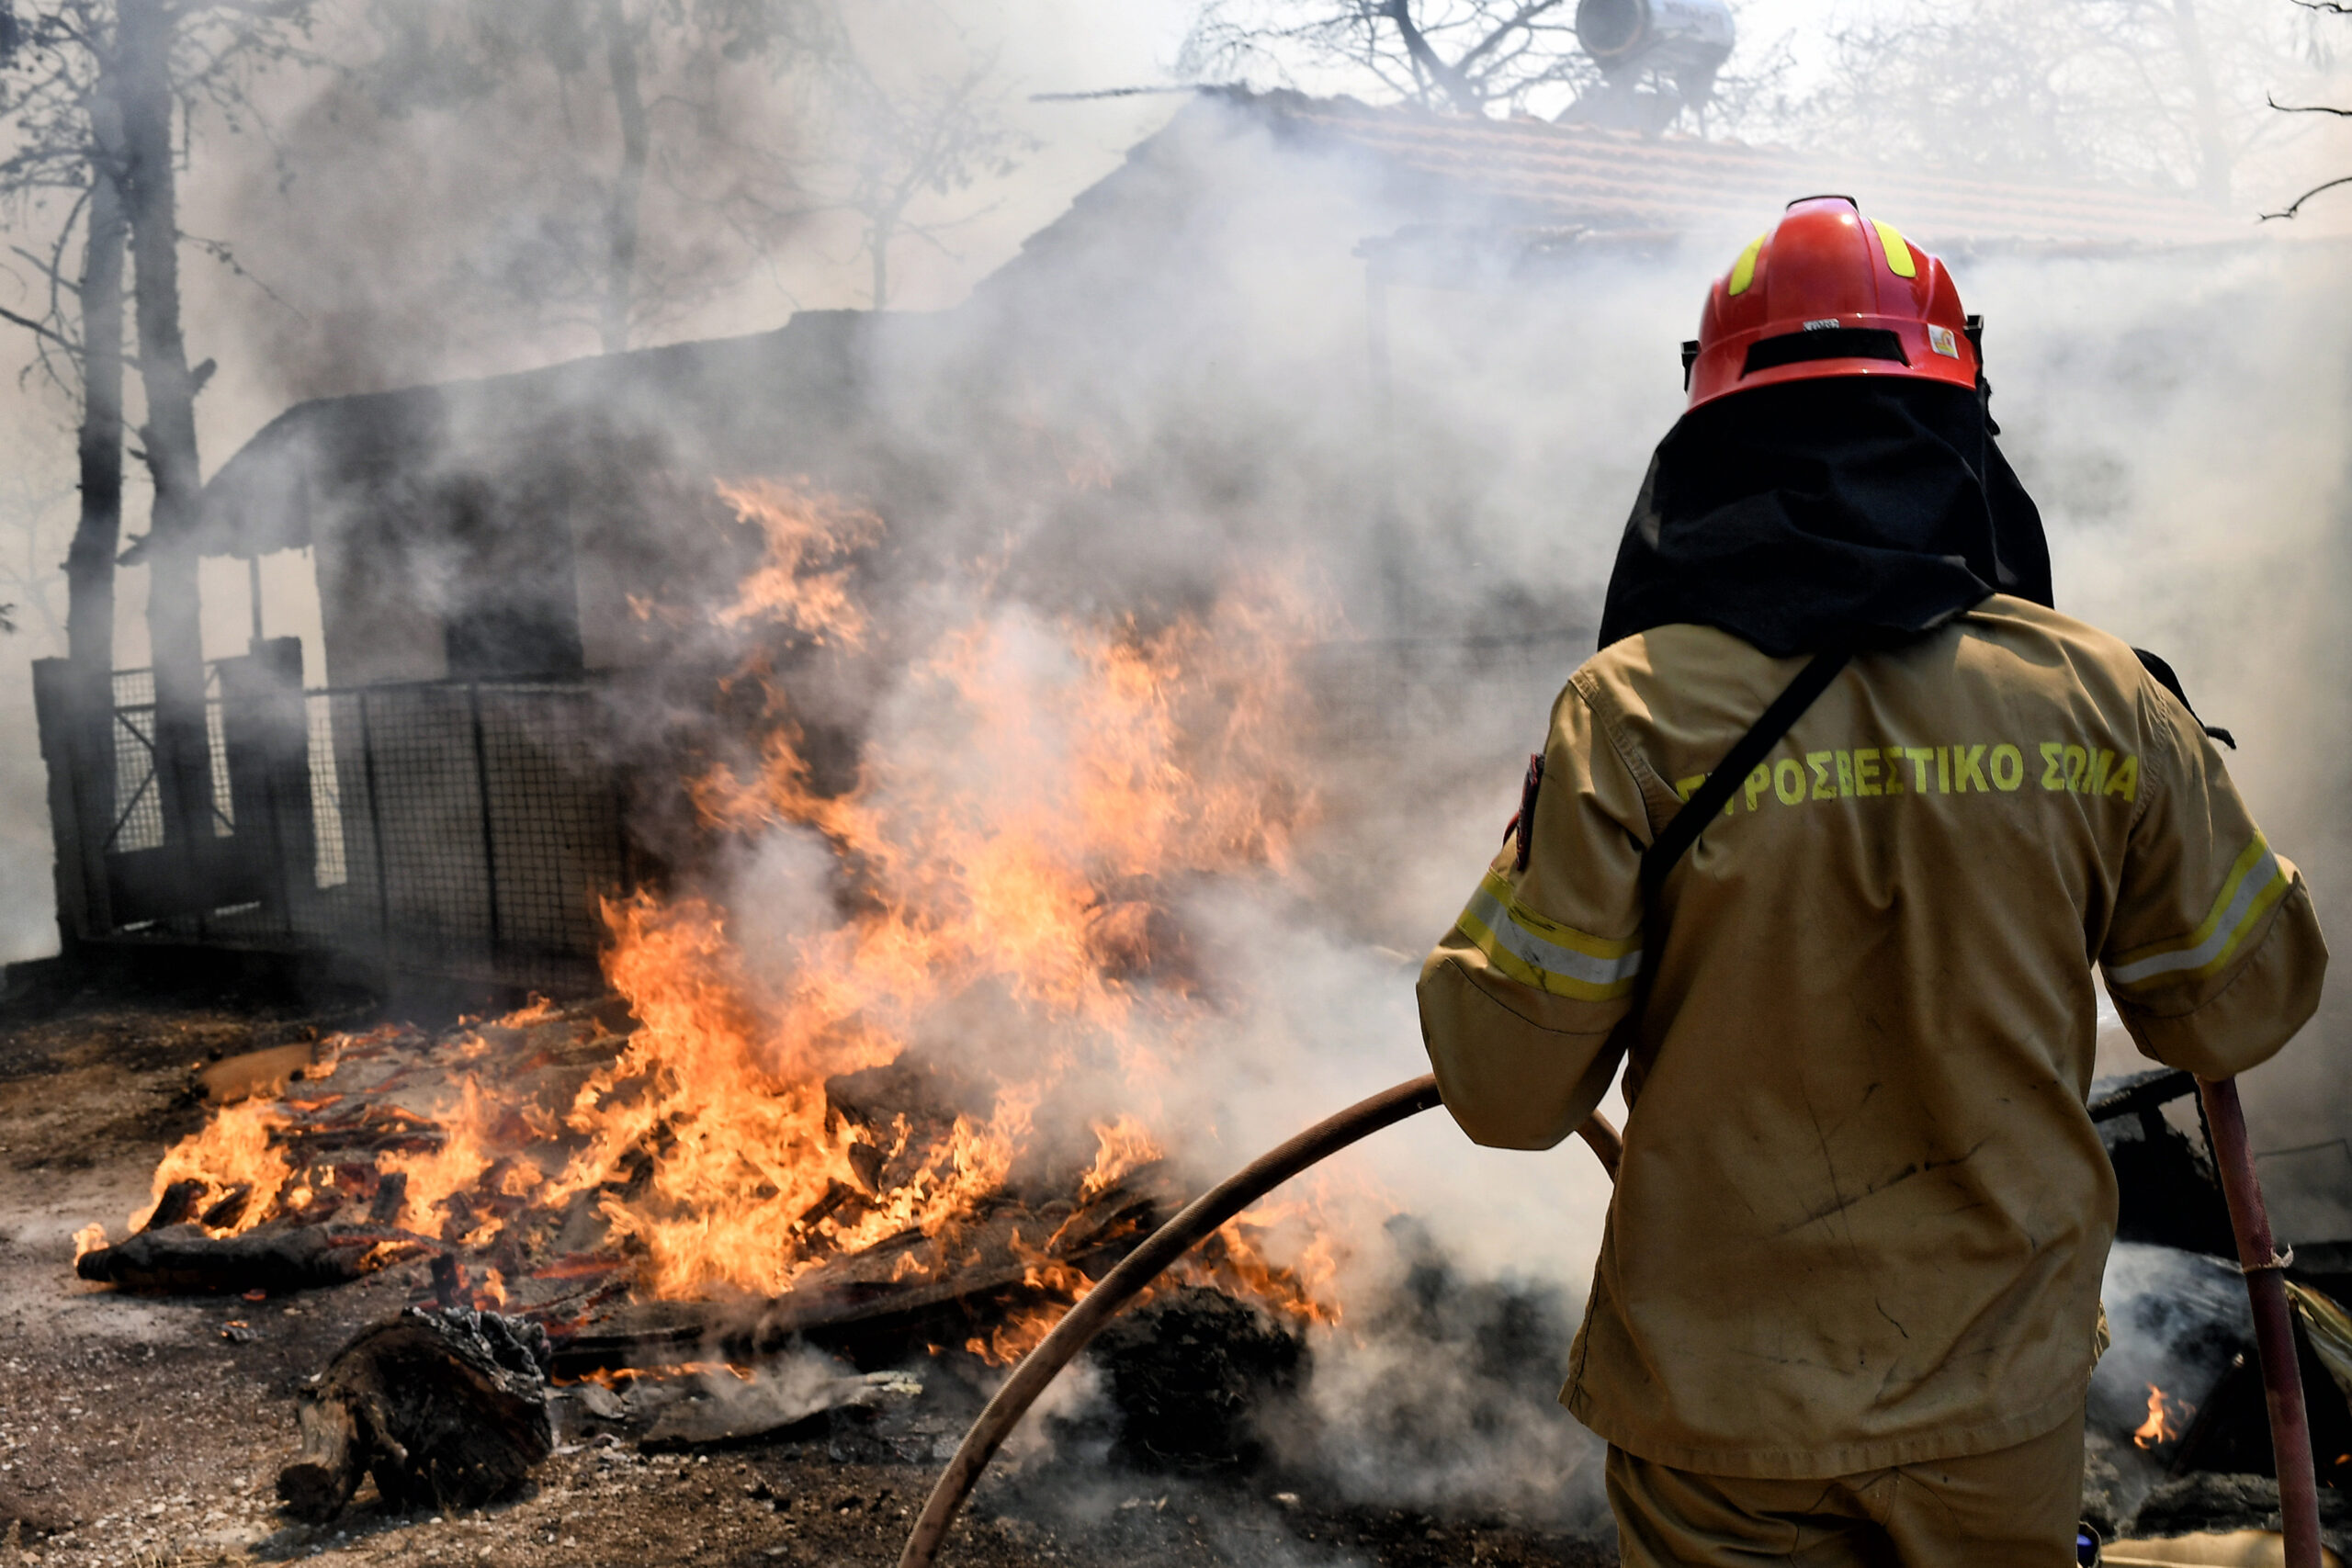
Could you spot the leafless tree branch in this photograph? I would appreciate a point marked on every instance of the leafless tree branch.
(40, 330)
(2306, 108)
(1515, 24)
(2296, 206)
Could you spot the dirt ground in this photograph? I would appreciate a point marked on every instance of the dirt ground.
(150, 1431)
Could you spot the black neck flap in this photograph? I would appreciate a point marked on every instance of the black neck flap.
(1849, 511)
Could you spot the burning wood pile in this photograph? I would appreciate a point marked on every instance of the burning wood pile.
(916, 1238)
(888, 1070)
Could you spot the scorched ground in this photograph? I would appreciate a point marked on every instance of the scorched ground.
(150, 1430)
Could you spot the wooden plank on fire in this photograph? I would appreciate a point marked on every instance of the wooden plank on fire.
(854, 1309)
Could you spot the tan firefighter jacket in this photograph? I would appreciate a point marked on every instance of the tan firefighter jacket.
(1863, 1215)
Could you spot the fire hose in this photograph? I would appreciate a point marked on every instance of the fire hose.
(2262, 1264)
(1197, 1220)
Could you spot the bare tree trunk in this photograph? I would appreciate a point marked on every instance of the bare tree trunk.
(884, 222)
(2213, 148)
(175, 623)
(628, 186)
(89, 563)
(1458, 85)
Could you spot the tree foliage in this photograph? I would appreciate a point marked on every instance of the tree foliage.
(50, 83)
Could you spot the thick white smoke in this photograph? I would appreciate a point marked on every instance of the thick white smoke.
(1194, 371)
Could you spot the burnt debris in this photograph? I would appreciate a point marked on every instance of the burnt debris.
(1189, 1373)
(2167, 1194)
(2211, 1500)
(446, 1409)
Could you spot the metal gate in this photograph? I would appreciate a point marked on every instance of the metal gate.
(459, 828)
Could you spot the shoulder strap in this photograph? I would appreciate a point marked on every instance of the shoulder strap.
(1752, 747)
(2163, 672)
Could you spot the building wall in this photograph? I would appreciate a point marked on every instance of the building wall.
(375, 629)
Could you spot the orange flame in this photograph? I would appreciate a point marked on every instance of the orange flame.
(1070, 764)
(1231, 1260)
(803, 530)
(1236, 1260)
(999, 872)
(234, 1149)
(1121, 1146)
(2163, 1423)
(453, 1167)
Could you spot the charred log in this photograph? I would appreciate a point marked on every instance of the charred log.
(921, 1091)
(229, 1208)
(448, 1282)
(391, 1197)
(838, 1196)
(776, 1410)
(177, 1206)
(866, 1162)
(445, 1409)
(181, 1259)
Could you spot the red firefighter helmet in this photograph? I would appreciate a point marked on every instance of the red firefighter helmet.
(1826, 293)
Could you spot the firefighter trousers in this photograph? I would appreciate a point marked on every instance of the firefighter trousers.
(2015, 1507)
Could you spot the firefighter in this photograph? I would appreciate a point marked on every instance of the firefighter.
(1845, 1305)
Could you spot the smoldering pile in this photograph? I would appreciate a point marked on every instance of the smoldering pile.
(2178, 1439)
(883, 1354)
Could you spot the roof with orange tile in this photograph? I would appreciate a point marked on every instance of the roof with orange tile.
(1538, 173)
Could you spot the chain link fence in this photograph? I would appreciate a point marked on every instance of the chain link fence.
(461, 828)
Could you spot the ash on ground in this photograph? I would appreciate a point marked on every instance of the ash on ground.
(1193, 1376)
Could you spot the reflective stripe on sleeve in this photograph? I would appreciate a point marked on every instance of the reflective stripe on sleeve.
(1544, 953)
(2254, 884)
